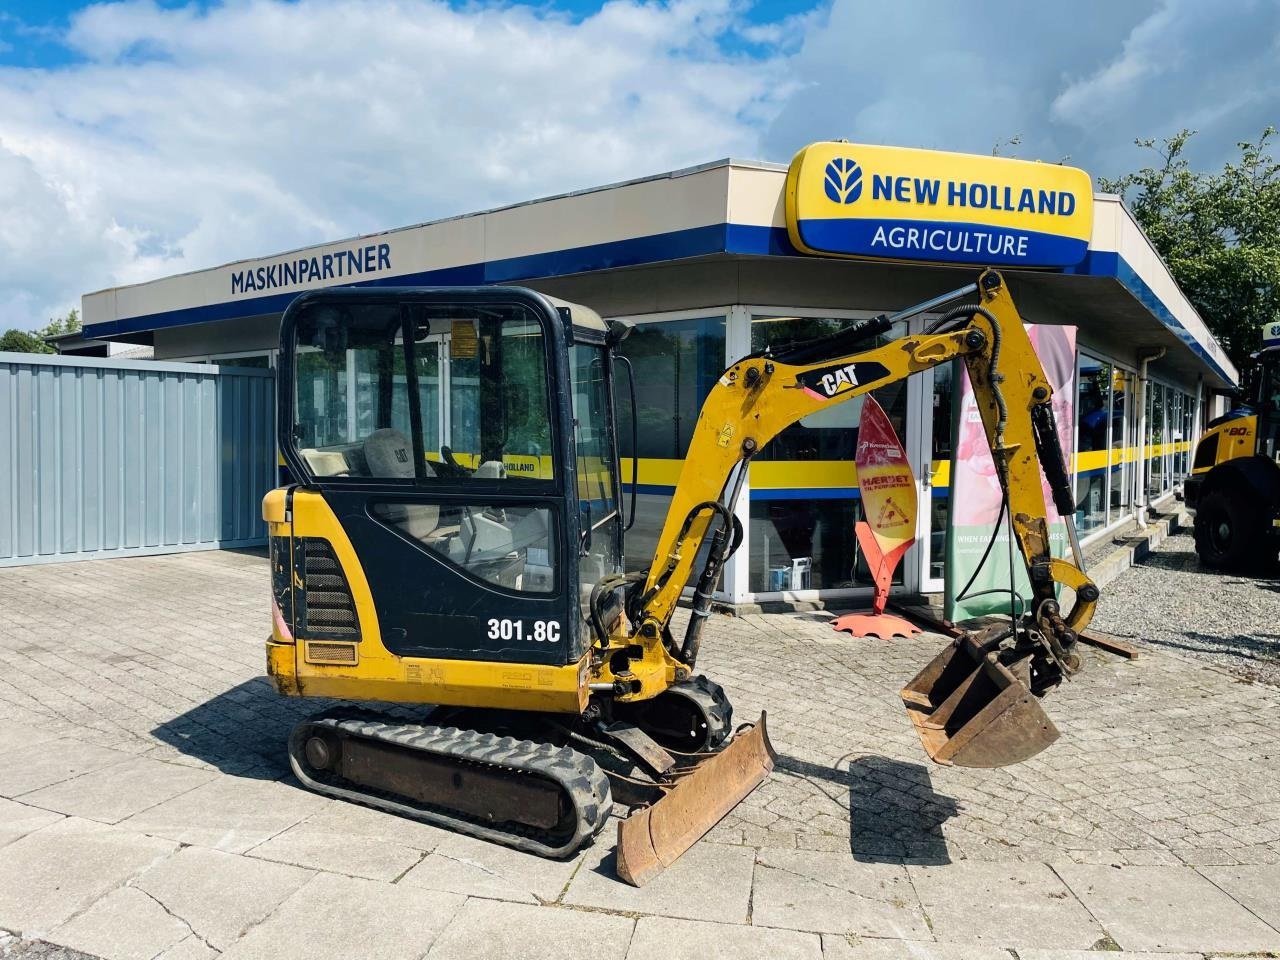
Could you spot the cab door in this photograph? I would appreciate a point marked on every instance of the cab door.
(430, 423)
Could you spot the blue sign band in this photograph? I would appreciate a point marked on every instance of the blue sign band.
(942, 242)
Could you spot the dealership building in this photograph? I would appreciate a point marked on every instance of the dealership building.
(706, 266)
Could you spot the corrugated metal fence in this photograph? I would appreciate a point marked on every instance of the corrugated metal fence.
(125, 457)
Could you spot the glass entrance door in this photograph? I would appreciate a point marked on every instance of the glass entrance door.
(932, 466)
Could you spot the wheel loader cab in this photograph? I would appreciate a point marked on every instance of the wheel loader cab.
(456, 500)
(1266, 401)
(1234, 486)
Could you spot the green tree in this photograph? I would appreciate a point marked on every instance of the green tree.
(1218, 232)
(58, 326)
(23, 341)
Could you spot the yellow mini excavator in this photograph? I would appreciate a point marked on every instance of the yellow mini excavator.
(454, 539)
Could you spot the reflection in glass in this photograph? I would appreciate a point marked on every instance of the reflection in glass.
(481, 389)
(1093, 426)
(1121, 442)
(801, 518)
(676, 363)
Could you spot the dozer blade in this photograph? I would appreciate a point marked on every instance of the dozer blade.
(653, 838)
(972, 711)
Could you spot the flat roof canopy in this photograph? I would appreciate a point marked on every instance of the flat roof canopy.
(710, 217)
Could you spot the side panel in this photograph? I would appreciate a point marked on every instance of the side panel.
(1229, 440)
(435, 675)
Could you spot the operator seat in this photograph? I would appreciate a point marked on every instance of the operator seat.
(389, 454)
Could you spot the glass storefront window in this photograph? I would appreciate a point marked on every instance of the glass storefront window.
(944, 379)
(1121, 441)
(804, 499)
(1188, 431)
(1093, 428)
(1156, 474)
(676, 363)
(259, 361)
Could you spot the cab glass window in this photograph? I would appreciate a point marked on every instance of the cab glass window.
(422, 392)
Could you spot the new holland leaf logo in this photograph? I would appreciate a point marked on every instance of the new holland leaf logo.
(844, 180)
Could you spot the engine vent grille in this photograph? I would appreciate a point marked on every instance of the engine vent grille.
(330, 609)
(323, 651)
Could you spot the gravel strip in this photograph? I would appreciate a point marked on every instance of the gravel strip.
(13, 947)
(1171, 602)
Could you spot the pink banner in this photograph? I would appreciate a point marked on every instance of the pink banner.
(975, 489)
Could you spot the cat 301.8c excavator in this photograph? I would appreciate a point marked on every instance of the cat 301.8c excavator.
(454, 538)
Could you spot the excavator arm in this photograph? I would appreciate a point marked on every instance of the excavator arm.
(764, 393)
(977, 702)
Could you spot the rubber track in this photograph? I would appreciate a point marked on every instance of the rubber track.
(578, 776)
(712, 701)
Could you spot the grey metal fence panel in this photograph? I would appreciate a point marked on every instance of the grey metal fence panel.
(125, 457)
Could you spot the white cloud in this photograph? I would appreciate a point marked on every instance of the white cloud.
(183, 138)
(1079, 80)
(186, 137)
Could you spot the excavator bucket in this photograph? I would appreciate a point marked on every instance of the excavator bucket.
(654, 837)
(970, 710)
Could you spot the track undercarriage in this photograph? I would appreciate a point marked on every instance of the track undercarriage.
(544, 784)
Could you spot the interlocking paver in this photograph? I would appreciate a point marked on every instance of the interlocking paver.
(18, 819)
(487, 930)
(710, 882)
(126, 924)
(465, 865)
(113, 793)
(1011, 904)
(50, 875)
(338, 918)
(104, 675)
(831, 893)
(1167, 908)
(220, 895)
(663, 938)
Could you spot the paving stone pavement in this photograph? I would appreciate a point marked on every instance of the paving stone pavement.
(147, 810)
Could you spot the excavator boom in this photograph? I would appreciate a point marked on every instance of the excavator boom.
(976, 703)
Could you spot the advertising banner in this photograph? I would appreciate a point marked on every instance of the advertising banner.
(895, 203)
(885, 480)
(975, 489)
(888, 527)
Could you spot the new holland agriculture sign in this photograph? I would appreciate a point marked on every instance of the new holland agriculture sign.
(900, 204)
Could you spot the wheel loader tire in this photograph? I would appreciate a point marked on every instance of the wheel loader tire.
(1228, 531)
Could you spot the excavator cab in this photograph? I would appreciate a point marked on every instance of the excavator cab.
(480, 498)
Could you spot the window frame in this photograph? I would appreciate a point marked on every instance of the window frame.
(555, 354)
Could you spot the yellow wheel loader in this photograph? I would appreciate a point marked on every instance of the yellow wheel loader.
(454, 539)
(1234, 485)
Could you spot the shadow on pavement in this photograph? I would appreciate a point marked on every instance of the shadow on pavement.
(242, 731)
(894, 812)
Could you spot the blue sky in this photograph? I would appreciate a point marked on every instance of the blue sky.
(30, 30)
(142, 138)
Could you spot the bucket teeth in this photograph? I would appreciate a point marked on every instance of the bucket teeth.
(971, 710)
(653, 838)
